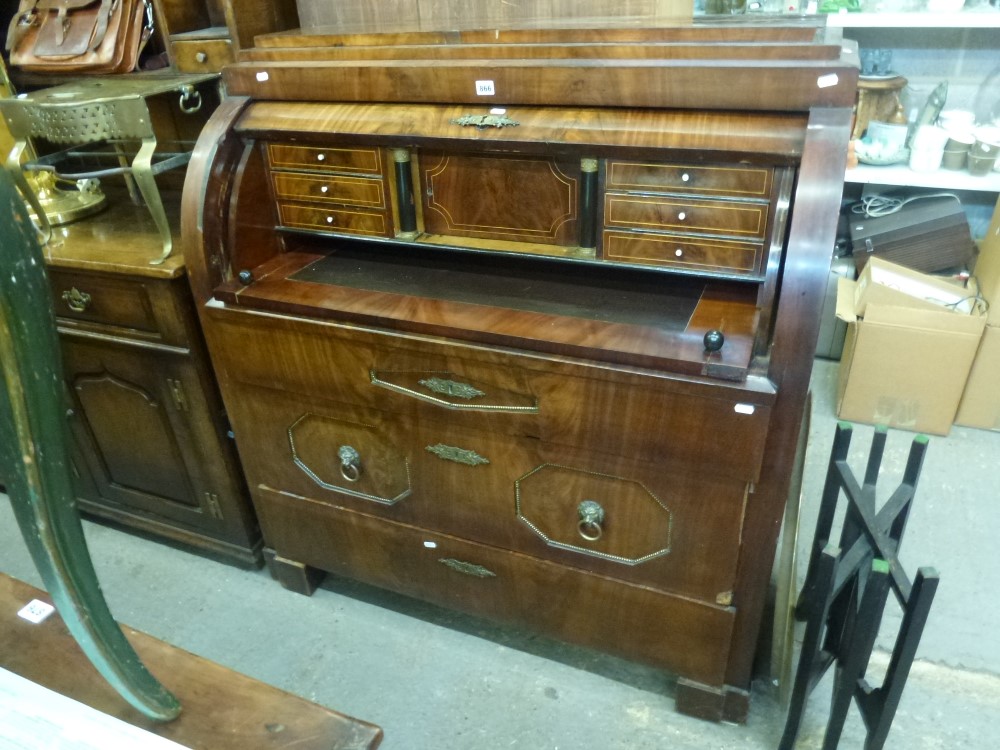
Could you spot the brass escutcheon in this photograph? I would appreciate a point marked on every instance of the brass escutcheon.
(469, 569)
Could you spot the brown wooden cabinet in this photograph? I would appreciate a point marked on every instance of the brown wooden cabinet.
(148, 429)
(202, 36)
(542, 359)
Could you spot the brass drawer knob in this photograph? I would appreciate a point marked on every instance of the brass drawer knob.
(591, 518)
(76, 300)
(350, 463)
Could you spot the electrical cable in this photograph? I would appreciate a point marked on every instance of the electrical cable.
(872, 206)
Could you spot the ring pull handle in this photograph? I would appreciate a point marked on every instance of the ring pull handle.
(190, 99)
(76, 300)
(591, 517)
(350, 463)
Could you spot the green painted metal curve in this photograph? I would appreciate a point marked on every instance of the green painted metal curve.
(35, 457)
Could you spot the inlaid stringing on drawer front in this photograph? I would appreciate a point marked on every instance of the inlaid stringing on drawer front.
(681, 215)
(351, 191)
(683, 252)
(737, 182)
(333, 219)
(359, 160)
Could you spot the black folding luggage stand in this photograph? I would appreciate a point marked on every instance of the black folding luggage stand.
(845, 593)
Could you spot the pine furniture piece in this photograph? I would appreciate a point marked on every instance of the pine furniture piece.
(521, 321)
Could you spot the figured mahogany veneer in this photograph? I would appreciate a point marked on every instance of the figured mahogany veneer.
(500, 389)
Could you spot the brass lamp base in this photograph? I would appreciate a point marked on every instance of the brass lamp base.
(63, 206)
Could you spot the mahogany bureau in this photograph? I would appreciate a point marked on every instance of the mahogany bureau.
(539, 354)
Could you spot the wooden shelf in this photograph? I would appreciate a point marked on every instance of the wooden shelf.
(969, 19)
(902, 175)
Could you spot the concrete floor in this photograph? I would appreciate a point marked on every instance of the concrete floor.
(434, 679)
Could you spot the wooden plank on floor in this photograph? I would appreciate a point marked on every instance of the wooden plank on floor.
(222, 709)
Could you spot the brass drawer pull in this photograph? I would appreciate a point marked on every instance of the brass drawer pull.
(451, 388)
(469, 569)
(458, 455)
(591, 517)
(350, 463)
(76, 300)
(452, 394)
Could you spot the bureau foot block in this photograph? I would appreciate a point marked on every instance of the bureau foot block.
(293, 575)
(712, 703)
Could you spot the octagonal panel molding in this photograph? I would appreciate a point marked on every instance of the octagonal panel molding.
(600, 515)
(350, 458)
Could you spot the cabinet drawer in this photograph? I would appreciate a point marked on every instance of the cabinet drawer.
(647, 418)
(634, 622)
(683, 215)
(102, 300)
(201, 56)
(738, 182)
(680, 251)
(351, 191)
(359, 160)
(332, 219)
(625, 519)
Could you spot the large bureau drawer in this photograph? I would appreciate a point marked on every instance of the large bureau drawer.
(635, 622)
(681, 425)
(625, 519)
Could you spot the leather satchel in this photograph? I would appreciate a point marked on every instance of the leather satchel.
(79, 36)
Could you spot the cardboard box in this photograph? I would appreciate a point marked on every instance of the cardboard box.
(980, 406)
(885, 283)
(987, 268)
(910, 345)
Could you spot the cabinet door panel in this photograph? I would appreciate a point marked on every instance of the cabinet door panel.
(132, 425)
(523, 199)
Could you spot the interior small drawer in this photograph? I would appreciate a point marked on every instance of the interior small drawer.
(681, 251)
(334, 219)
(734, 181)
(334, 188)
(102, 300)
(675, 214)
(201, 55)
(315, 158)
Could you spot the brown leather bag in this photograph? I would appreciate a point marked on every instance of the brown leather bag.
(79, 36)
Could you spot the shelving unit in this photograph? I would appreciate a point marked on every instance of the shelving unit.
(928, 48)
